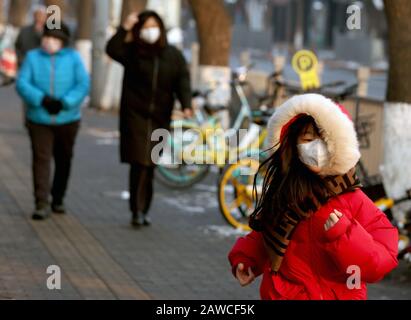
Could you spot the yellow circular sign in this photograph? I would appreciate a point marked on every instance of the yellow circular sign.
(304, 61)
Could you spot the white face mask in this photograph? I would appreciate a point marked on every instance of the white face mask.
(150, 35)
(314, 153)
(51, 45)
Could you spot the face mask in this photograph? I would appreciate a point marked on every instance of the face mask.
(150, 35)
(314, 153)
(52, 45)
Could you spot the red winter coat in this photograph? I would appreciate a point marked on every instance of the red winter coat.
(316, 263)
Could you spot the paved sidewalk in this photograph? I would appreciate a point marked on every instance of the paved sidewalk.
(182, 256)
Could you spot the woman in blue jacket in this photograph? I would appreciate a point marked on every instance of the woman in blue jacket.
(53, 83)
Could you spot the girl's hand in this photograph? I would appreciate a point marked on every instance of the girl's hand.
(130, 21)
(244, 277)
(332, 219)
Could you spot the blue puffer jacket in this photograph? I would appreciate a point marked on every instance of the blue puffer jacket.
(62, 76)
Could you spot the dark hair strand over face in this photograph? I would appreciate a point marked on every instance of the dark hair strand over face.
(289, 185)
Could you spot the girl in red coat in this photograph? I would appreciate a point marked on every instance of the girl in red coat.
(315, 235)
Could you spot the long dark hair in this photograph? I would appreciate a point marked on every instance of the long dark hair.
(142, 47)
(288, 184)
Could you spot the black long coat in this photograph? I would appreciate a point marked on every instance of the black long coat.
(150, 86)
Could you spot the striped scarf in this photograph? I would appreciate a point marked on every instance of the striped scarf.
(277, 239)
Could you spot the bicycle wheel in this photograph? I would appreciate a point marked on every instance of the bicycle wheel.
(184, 176)
(173, 171)
(235, 192)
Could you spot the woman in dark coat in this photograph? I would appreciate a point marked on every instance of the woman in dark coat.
(154, 74)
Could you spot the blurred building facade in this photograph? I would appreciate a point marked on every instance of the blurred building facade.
(314, 24)
(264, 25)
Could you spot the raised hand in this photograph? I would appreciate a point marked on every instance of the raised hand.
(244, 277)
(130, 21)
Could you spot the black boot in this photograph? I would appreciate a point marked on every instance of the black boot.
(137, 220)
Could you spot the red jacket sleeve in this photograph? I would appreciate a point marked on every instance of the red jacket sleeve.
(250, 251)
(367, 240)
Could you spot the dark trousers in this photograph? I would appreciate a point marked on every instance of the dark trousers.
(48, 142)
(141, 188)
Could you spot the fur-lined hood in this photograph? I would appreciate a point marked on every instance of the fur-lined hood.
(334, 123)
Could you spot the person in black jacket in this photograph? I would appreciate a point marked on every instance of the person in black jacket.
(154, 74)
(29, 37)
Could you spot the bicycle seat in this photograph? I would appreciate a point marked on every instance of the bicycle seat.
(347, 92)
(261, 117)
(263, 98)
(214, 109)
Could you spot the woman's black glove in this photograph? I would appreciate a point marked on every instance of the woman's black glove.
(53, 106)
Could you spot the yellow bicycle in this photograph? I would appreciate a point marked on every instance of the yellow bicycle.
(193, 147)
(235, 192)
(236, 196)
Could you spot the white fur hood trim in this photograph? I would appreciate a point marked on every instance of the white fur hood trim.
(335, 126)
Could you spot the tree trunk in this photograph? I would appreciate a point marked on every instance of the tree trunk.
(85, 13)
(399, 30)
(214, 31)
(1, 12)
(60, 3)
(397, 110)
(18, 12)
(132, 5)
